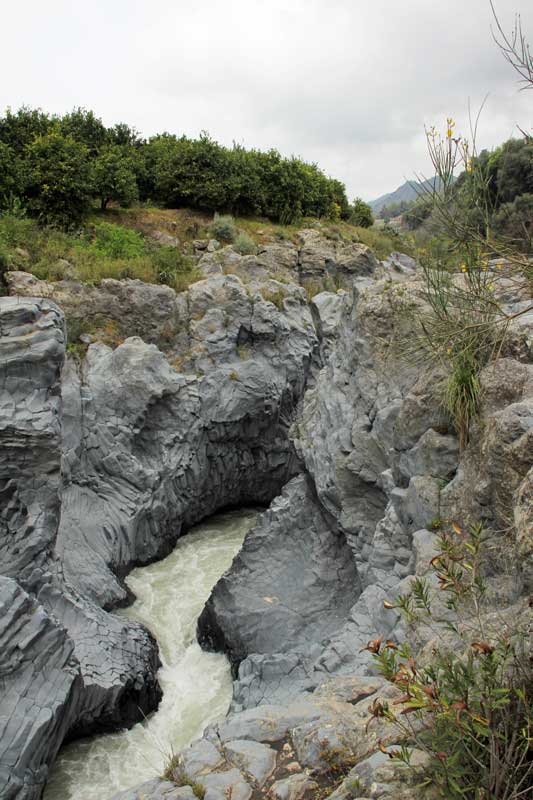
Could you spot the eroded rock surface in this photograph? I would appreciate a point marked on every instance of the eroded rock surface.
(67, 666)
(258, 397)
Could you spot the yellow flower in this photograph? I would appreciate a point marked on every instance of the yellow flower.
(463, 267)
(469, 165)
(490, 287)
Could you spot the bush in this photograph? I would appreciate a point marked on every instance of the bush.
(114, 176)
(58, 187)
(361, 214)
(223, 228)
(173, 268)
(115, 241)
(471, 707)
(245, 245)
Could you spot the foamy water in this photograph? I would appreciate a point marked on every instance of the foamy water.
(196, 685)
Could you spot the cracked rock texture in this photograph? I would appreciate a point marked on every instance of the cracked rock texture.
(66, 666)
(104, 464)
(258, 397)
(380, 462)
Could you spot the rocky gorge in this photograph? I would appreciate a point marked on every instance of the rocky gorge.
(239, 391)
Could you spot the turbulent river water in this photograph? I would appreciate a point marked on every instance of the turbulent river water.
(196, 685)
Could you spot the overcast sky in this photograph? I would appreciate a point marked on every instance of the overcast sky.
(349, 84)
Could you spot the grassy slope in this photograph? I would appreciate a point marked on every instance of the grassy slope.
(44, 252)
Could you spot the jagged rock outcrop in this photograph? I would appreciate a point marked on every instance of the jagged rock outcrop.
(105, 464)
(67, 666)
(309, 566)
(383, 464)
(286, 751)
(259, 397)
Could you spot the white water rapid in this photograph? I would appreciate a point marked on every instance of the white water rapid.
(196, 685)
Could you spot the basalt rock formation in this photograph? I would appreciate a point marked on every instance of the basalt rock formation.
(104, 464)
(380, 462)
(67, 666)
(258, 397)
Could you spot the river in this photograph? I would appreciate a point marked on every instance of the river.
(196, 685)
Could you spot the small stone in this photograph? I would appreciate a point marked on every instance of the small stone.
(293, 767)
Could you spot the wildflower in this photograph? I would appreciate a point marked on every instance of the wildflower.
(490, 287)
(451, 126)
(469, 165)
(463, 267)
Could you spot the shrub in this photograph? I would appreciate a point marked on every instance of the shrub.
(223, 228)
(245, 245)
(115, 241)
(361, 214)
(471, 707)
(58, 188)
(113, 174)
(173, 268)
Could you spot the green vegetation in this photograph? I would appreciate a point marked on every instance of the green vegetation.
(275, 296)
(470, 707)
(223, 228)
(504, 177)
(244, 244)
(175, 773)
(57, 166)
(101, 251)
(392, 210)
(361, 214)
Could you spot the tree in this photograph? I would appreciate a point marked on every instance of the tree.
(10, 175)
(18, 130)
(514, 221)
(59, 179)
(114, 176)
(361, 214)
(85, 127)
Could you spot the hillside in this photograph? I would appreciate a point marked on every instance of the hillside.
(408, 192)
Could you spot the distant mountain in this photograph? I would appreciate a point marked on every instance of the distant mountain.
(407, 192)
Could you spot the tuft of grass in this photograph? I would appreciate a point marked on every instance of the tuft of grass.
(275, 296)
(312, 288)
(245, 245)
(175, 773)
(461, 395)
(223, 228)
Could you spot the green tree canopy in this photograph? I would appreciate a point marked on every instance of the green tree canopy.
(58, 188)
(114, 175)
(361, 214)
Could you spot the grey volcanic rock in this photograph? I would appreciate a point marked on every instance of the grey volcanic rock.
(279, 750)
(380, 462)
(135, 307)
(342, 261)
(306, 591)
(160, 451)
(32, 351)
(67, 667)
(126, 453)
(38, 680)
(355, 454)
